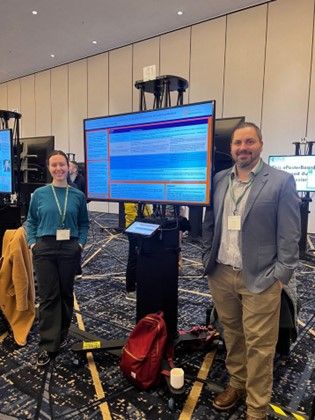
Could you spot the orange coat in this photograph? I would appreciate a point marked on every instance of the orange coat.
(17, 294)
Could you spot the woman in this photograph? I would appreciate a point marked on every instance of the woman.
(57, 226)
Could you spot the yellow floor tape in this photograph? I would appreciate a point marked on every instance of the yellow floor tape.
(195, 392)
(280, 412)
(94, 373)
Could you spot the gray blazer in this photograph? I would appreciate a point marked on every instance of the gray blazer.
(270, 228)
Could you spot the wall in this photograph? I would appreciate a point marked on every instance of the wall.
(257, 62)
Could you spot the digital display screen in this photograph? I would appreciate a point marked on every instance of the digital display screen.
(158, 156)
(142, 228)
(6, 168)
(302, 167)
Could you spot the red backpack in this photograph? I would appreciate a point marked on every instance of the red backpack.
(143, 353)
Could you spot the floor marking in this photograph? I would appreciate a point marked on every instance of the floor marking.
(194, 292)
(308, 265)
(311, 331)
(100, 393)
(193, 261)
(3, 336)
(195, 391)
(107, 241)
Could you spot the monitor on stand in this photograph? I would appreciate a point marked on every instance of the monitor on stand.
(6, 162)
(9, 214)
(34, 172)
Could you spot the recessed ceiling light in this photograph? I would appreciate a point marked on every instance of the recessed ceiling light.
(94, 42)
(34, 12)
(180, 12)
(52, 55)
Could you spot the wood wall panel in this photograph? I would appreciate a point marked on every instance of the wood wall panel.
(255, 62)
(14, 95)
(4, 96)
(207, 62)
(120, 88)
(120, 80)
(60, 107)
(310, 133)
(244, 63)
(97, 91)
(28, 106)
(145, 53)
(97, 100)
(77, 107)
(175, 57)
(99, 206)
(42, 104)
(14, 98)
(288, 58)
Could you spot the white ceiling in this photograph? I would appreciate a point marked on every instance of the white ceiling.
(67, 28)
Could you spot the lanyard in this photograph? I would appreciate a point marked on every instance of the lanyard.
(61, 212)
(239, 199)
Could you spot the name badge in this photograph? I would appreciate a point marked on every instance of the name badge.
(234, 222)
(63, 234)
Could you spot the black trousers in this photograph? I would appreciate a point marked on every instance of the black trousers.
(131, 272)
(55, 264)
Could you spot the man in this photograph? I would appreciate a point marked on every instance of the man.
(77, 180)
(251, 240)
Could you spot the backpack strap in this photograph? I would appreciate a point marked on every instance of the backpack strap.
(168, 362)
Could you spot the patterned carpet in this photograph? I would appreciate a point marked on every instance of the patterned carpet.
(72, 387)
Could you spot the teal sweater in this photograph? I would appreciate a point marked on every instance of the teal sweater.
(44, 219)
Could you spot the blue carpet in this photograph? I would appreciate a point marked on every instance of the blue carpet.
(65, 389)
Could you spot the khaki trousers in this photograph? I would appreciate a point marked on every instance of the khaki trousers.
(251, 327)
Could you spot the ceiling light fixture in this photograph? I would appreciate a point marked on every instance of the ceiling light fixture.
(94, 42)
(52, 55)
(34, 12)
(180, 12)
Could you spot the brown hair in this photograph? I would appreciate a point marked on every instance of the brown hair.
(245, 124)
(57, 152)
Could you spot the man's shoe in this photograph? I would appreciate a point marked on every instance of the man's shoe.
(43, 358)
(228, 398)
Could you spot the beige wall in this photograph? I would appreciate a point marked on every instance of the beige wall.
(257, 62)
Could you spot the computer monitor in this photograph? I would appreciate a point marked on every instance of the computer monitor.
(158, 156)
(34, 153)
(6, 162)
(302, 167)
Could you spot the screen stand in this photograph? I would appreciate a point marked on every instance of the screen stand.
(157, 285)
(306, 200)
(5, 117)
(157, 273)
(161, 88)
(304, 209)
